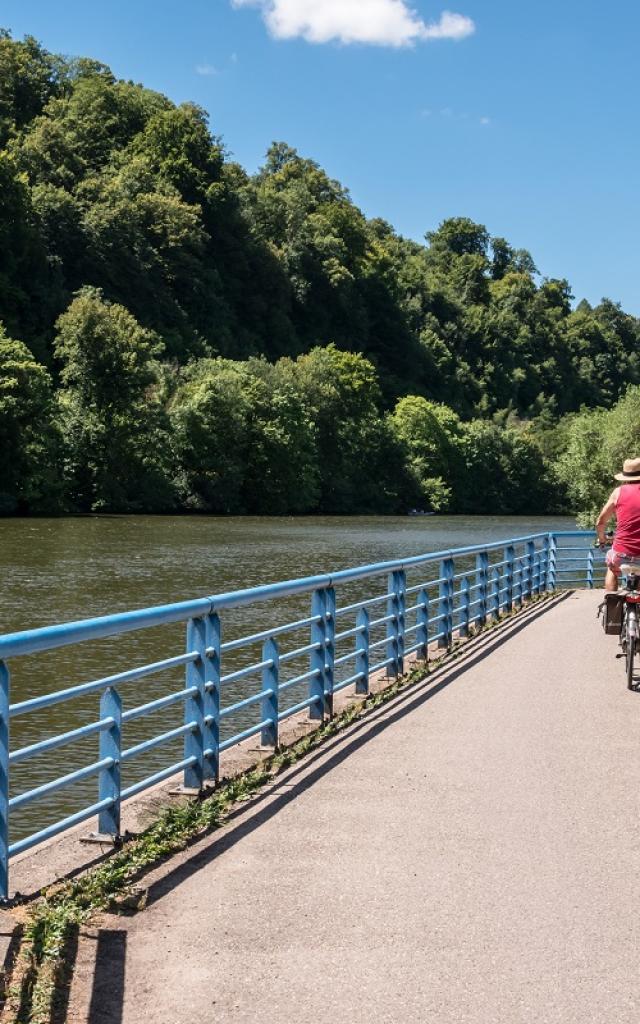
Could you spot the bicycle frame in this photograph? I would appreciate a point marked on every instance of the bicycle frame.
(629, 632)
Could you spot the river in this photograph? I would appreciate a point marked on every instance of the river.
(55, 570)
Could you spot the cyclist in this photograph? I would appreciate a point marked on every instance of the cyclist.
(624, 504)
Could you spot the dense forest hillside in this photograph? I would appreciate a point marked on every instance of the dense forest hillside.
(179, 334)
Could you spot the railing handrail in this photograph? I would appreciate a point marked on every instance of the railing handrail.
(45, 638)
(403, 625)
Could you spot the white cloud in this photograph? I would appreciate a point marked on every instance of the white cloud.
(485, 120)
(449, 26)
(377, 22)
(206, 69)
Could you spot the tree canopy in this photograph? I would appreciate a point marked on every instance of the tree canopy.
(200, 337)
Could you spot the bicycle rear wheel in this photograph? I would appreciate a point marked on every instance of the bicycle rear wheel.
(630, 654)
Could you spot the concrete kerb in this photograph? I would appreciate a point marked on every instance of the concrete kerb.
(65, 856)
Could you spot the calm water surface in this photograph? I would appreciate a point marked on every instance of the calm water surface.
(55, 570)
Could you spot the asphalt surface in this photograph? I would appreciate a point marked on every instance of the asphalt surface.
(470, 853)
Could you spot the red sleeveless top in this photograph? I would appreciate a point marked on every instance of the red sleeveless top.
(627, 538)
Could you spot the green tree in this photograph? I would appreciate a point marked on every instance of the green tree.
(30, 478)
(210, 415)
(28, 283)
(29, 77)
(119, 455)
(360, 466)
(431, 437)
(244, 440)
(596, 444)
(504, 472)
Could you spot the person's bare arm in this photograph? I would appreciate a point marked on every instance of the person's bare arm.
(606, 514)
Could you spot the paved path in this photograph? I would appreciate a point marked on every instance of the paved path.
(470, 854)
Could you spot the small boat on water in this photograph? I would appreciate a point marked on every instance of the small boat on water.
(419, 512)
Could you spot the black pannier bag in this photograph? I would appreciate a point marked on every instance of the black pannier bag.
(612, 613)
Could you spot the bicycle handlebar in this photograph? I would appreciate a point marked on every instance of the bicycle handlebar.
(608, 542)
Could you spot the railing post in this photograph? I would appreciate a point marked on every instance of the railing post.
(445, 603)
(401, 589)
(270, 682)
(317, 659)
(329, 648)
(194, 705)
(518, 583)
(495, 594)
(5, 699)
(509, 555)
(393, 626)
(531, 560)
(590, 569)
(109, 778)
(482, 580)
(362, 649)
(422, 632)
(465, 600)
(212, 671)
(552, 547)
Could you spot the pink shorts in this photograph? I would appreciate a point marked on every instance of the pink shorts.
(616, 559)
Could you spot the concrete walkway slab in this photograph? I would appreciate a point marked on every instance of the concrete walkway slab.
(469, 853)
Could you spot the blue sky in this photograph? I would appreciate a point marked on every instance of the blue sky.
(523, 117)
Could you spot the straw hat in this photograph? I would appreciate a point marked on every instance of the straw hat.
(630, 472)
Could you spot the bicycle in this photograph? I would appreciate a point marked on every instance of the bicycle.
(629, 623)
(629, 632)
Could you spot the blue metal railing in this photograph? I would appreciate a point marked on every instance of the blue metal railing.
(425, 600)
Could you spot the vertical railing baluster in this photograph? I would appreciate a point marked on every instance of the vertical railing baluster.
(443, 605)
(553, 557)
(482, 581)
(317, 658)
(496, 580)
(401, 588)
(538, 571)
(5, 700)
(109, 786)
(212, 671)
(509, 555)
(450, 572)
(329, 648)
(362, 649)
(465, 599)
(548, 574)
(270, 683)
(590, 569)
(422, 632)
(519, 587)
(194, 704)
(393, 611)
(531, 560)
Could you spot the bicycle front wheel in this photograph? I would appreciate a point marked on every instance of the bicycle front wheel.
(631, 652)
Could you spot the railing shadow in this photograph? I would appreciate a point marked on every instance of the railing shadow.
(105, 1003)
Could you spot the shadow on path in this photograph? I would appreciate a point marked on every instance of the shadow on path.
(107, 994)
